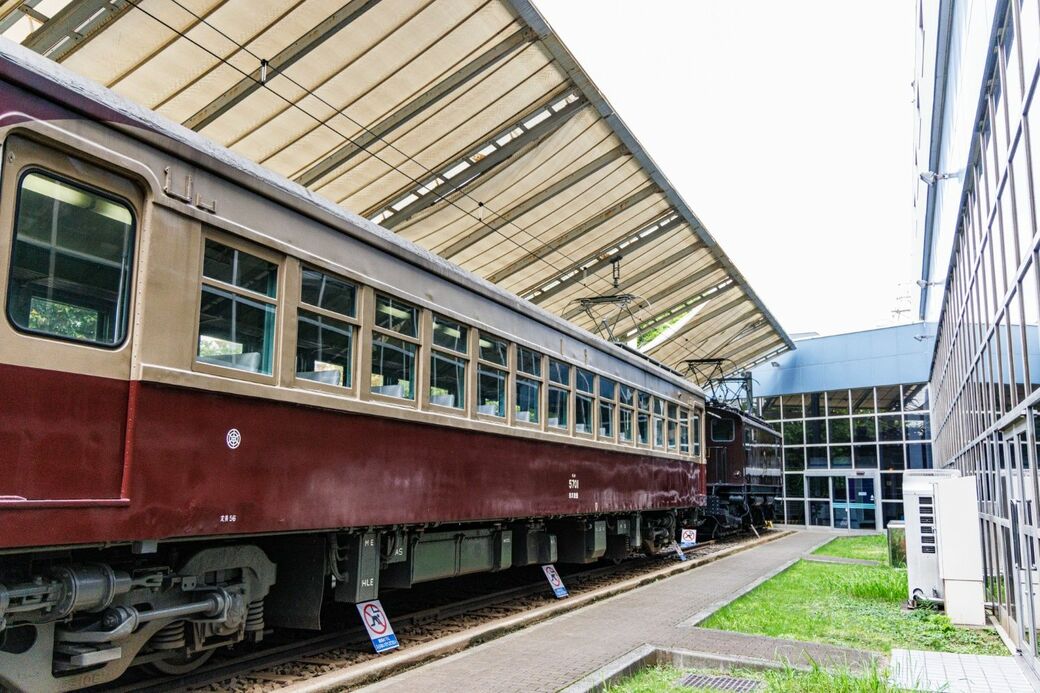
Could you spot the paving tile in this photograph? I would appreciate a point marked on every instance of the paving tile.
(569, 647)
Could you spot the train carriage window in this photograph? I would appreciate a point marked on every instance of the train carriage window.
(697, 433)
(237, 309)
(448, 363)
(607, 394)
(71, 262)
(491, 380)
(659, 423)
(528, 384)
(325, 329)
(393, 358)
(684, 431)
(626, 398)
(722, 431)
(585, 386)
(559, 394)
(643, 418)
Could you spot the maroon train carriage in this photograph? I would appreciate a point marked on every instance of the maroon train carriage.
(744, 470)
(225, 403)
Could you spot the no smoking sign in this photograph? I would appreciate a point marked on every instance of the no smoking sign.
(378, 626)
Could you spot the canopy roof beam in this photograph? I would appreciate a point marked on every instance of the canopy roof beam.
(568, 275)
(512, 43)
(74, 25)
(684, 307)
(476, 165)
(537, 200)
(289, 55)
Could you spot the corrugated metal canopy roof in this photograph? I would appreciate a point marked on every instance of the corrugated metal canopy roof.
(463, 125)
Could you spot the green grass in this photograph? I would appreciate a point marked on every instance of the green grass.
(872, 547)
(848, 605)
(663, 679)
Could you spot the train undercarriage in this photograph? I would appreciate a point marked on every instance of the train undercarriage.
(77, 618)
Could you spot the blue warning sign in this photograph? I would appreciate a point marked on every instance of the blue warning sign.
(378, 626)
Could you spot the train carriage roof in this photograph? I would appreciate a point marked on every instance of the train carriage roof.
(465, 126)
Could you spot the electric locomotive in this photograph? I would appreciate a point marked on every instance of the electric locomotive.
(744, 470)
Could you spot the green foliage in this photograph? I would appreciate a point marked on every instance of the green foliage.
(661, 679)
(820, 680)
(657, 332)
(63, 319)
(848, 605)
(872, 547)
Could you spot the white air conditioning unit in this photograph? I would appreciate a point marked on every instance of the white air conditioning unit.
(943, 543)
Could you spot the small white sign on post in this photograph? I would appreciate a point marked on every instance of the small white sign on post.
(378, 626)
(554, 581)
(678, 551)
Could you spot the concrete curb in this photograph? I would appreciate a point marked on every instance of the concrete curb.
(400, 660)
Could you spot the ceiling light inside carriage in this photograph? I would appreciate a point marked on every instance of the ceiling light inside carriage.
(56, 190)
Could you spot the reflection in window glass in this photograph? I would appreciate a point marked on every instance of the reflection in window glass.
(671, 435)
(841, 457)
(556, 416)
(820, 513)
(684, 439)
(794, 433)
(397, 316)
(494, 350)
(606, 419)
(919, 456)
(393, 367)
(865, 456)
(643, 427)
(644, 401)
(658, 432)
(447, 380)
(888, 399)
(839, 430)
(915, 397)
(862, 400)
(816, 458)
(794, 459)
(838, 403)
(892, 456)
(792, 407)
(625, 395)
(582, 414)
(814, 405)
(324, 349)
(528, 361)
(864, 430)
(328, 292)
(585, 381)
(892, 486)
(607, 388)
(815, 432)
(917, 427)
(697, 434)
(528, 394)
(795, 513)
(240, 269)
(450, 335)
(491, 391)
(71, 262)
(795, 484)
(890, 428)
(559, 372)
(235, 331)
(819, 486)
(771, 408)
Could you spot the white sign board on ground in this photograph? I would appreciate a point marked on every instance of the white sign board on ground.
(688, 537)
(378, 626)
(554, 581)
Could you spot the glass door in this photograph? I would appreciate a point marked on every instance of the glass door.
(862, 504)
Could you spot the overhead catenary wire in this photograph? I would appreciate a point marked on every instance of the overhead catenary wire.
(265, 83)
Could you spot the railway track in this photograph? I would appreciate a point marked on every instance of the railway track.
(419, 616)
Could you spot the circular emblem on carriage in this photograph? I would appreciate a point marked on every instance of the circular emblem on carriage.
(234, 438)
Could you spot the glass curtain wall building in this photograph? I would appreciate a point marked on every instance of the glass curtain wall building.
(978, 153)
(845, 452)
(850, 426)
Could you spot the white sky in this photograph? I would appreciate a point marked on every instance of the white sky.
(786, 126)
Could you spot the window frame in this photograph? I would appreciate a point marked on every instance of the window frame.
(279, 261)
(507, 369)
(551, 384)
(593, 397)
(125, 199)
(356, 322)
(517, 376)
(465, 357)
(371, 302)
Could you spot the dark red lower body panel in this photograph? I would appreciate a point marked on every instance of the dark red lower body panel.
(299, 468)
